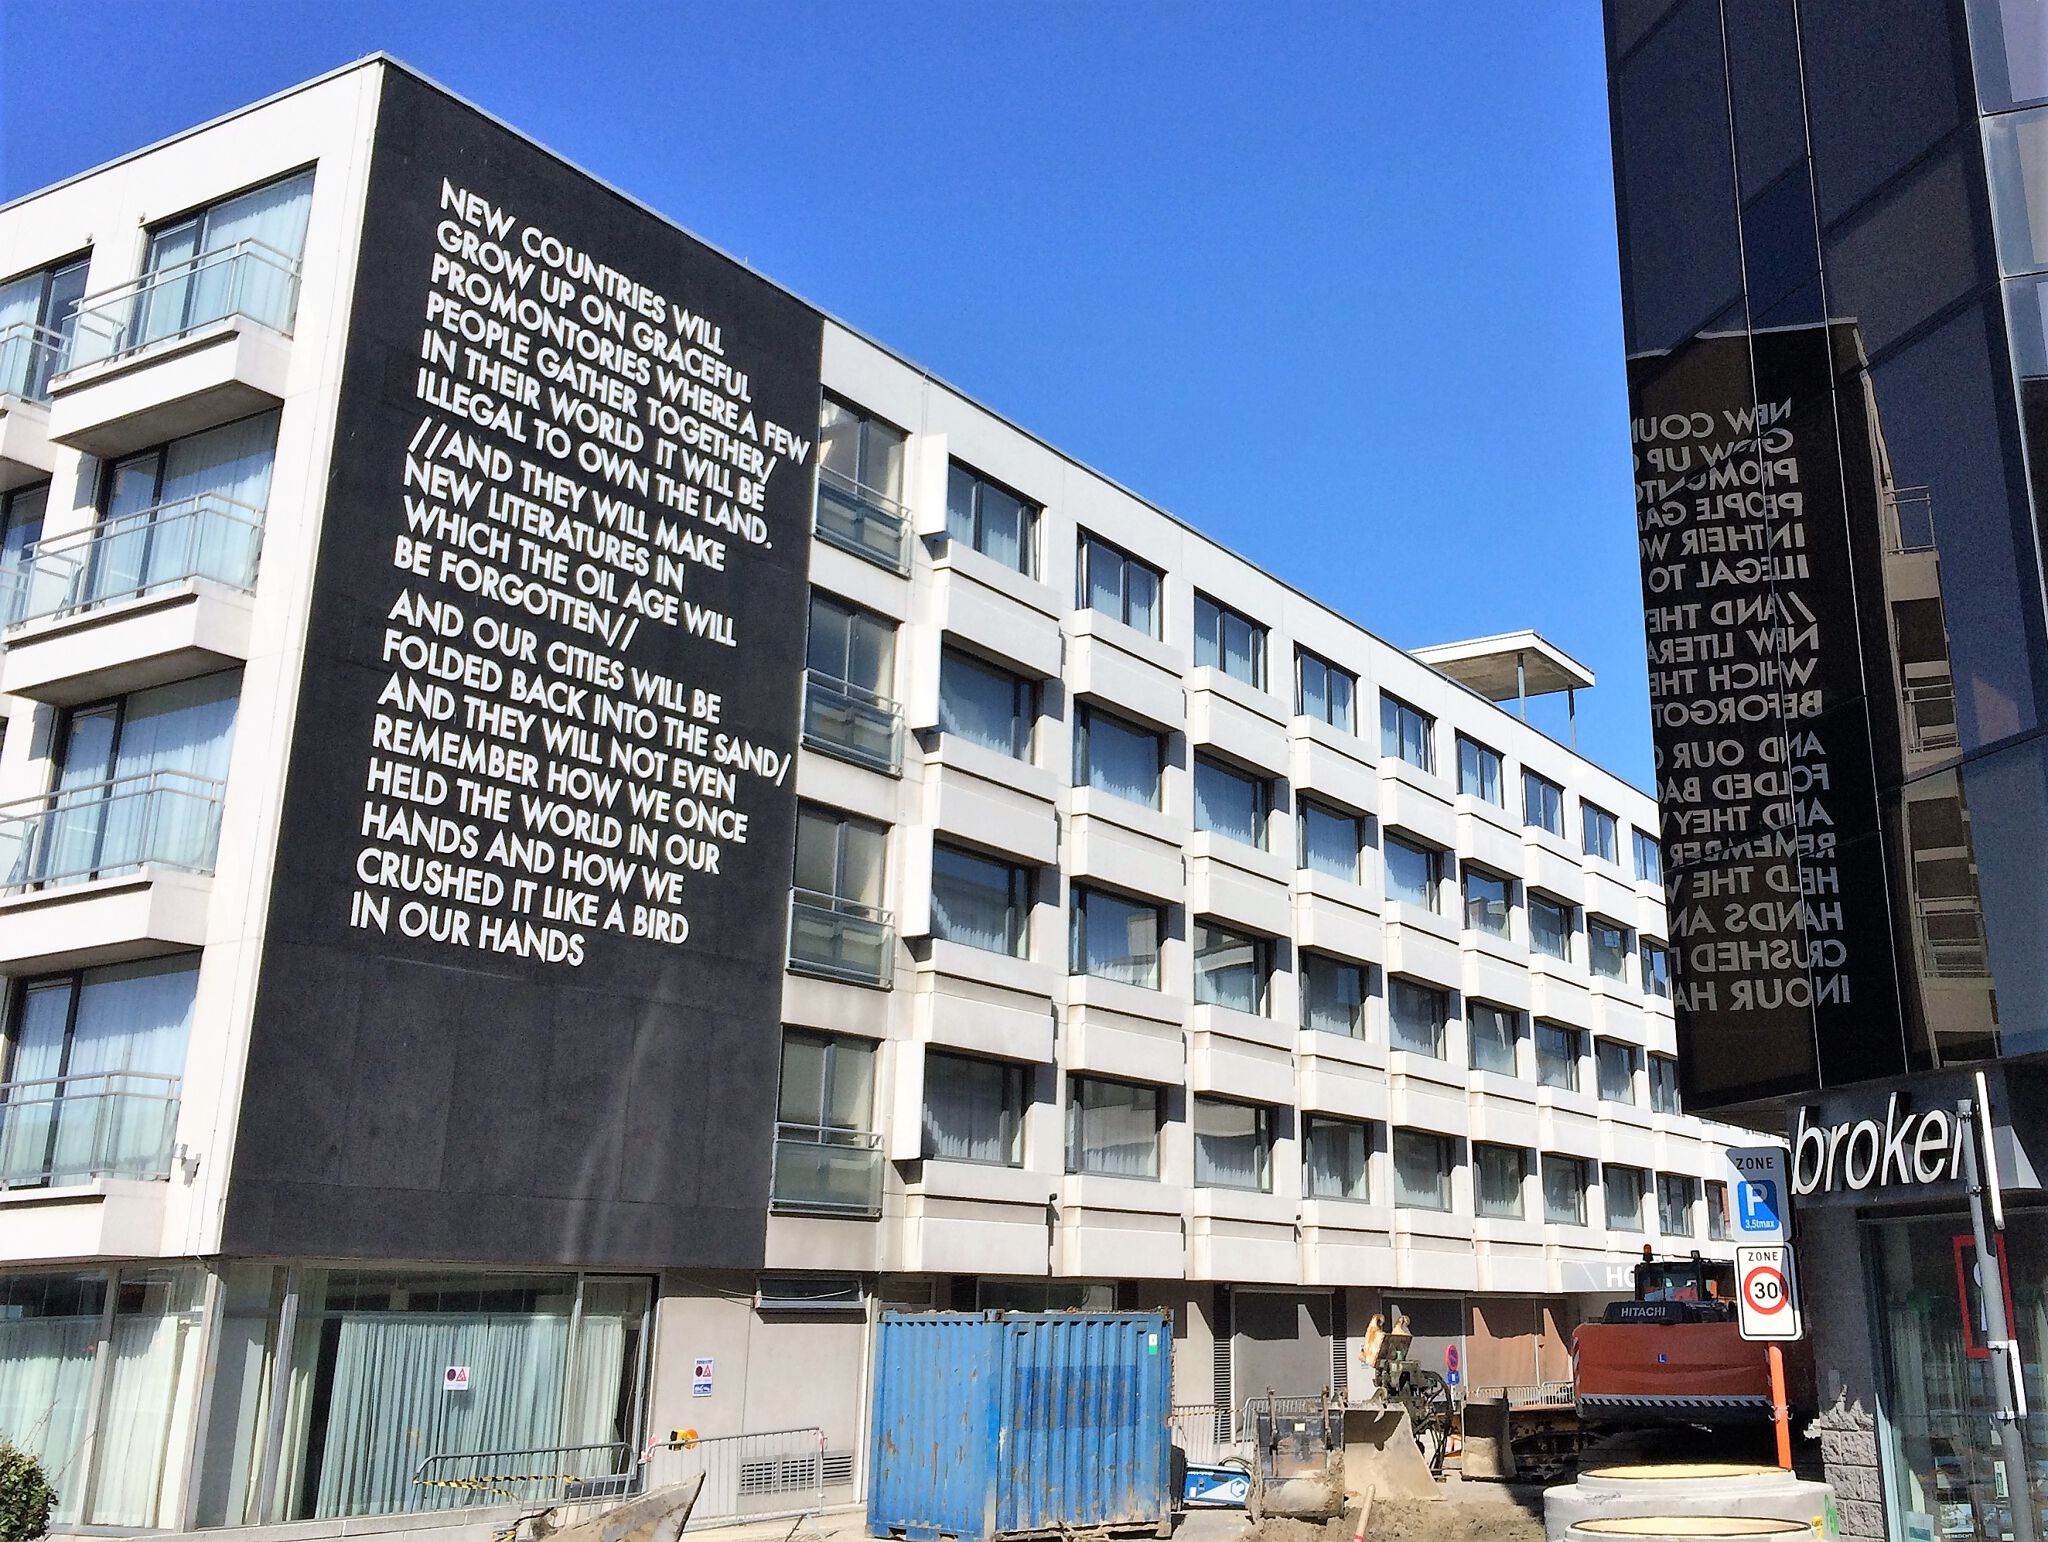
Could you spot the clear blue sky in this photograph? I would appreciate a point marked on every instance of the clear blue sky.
(1335, 284)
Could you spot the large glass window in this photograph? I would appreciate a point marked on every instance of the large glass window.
(1231, 967)
(1498, 1172)
(1602, 833)
(1117, 757)
(860, 451)
(1717, 1211)
(1112, 1128)
(827, 1158)
(1664, 1085)
(1624, 1186)
(1230, 803)
(1615, 1066)
(992, 519)
(1414, 873)
(848, 705)
(1233, 1144)
(1542, 803)
(839, 856)
(1479, 770)
(1407, 733)
(1335, 1158)
(1331, 841)
(1118, 585)
(1325, 692)
(980, 902)
(1607, 948)
(1557, 1056)
(38, 312)
(851, 645)
(1422, 1170)
(1493, 1031)
(1115, 938)
(836, 924)
(986, 705)
(1487, 898)
(1656, 964)
(1233, 643)
(1415, 1017)
(1550, 927)
(21, 526)
(1564, 1191)
(974, 1109)
(1675, 1198)
(1649, 857)
(1332, 995)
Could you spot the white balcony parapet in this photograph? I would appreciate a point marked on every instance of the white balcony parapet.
(249, 279)
(29, 356)
(71, 1129)
(168, 819)
(207, 536)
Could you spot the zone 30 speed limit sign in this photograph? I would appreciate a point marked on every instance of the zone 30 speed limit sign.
(1767, 1293)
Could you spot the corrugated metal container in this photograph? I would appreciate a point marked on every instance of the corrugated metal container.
(998, 1423)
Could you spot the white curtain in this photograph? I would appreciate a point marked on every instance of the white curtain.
(1116, 1129)
(1228, 804)
(178, 535)
(148, 1359)
(1123, 762)
(967, 1117)
(131, 1017)
(591, 1418)
(45, 1384)
(20, 304)
(972, 902)
(1230, 1148)
(185, 727)
(256, 283)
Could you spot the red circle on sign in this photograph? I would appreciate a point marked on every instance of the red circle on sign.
(1763, 1303)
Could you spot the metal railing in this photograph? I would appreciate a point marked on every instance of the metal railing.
(160, 818)
(840, 939)
(1909, 519)
(207, 536)
(1524, 1395)
(1203, 1432)
(67, 1129)
(1931, 715)
(827, 1171)
(852, 722)
(858, 519)
(29, 356)
(746, 1477)
(534, 1475)
(249, 278)
(1952, 938)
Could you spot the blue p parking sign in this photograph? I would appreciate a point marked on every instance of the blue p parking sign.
(1758, 1193)
(1756, 1206)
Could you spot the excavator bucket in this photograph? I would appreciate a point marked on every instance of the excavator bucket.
(656, 1517)
(1381, 1457)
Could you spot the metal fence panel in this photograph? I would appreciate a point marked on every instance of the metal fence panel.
(755, 1476)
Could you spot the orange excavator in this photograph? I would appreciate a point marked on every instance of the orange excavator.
(1674, 1354)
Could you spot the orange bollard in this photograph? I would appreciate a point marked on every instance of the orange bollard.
(1781, 1415)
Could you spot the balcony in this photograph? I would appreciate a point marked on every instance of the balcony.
(161, 594)
(29, 356)
(67, 1130)
(178, 350)
(167, 819)
(821, 1170)
(862, 521)
(841, 939)
(853, 723)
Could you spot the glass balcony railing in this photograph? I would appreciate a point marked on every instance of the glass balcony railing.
(852, 722)
(207, 536)
(840, 939)
(68, 1129)
(246, 279)
(860, 520)
(29, 356)
(158, 819)
(826, 1171)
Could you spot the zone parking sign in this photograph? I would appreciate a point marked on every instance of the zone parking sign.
(1767, 1293)
(1759, 1193)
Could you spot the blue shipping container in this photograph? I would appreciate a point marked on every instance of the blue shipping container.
(992, 1424)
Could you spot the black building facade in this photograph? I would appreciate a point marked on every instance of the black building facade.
(1833, 225)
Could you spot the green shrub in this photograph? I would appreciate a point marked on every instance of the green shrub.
(25, 1495)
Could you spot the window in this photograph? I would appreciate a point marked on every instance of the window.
(980, 902)
(1415, 1018)
(1117, 757)
(1557, 1057)
(1624, 1197)
(38, 312)
(809, 1293)
(1607, 947)
(826, 1158)
(1550, 927)
(986, 705)
(1656, 962)
(851, 646)
(1422, 1170)
(1479, 770)
(1231, 968)
(836, 924)
(1497, 1181)
(1325, 692)
(1230, 803)
(974, 1109)
(1601, 832)
(1649, 858)
(1332, 995)
(1407, 733)
(21, 526)
(1542, 803)
(1118, 585)
(1233, 1145)
(1230, 642)
(1330, 841)
(1414, 873)
(991, 519)
(1115, 938)
(1564, 1191)
(1112, 1128)
(1675, 1197)
(1614, 1064)
(1664, 1085)
(1717, 1211)
(1334, 1158)
(860, 485)
(1493, 1031)
(838, 856)
(1486, 902)
(851, 656)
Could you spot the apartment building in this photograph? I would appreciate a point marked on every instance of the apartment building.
(576, 829)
